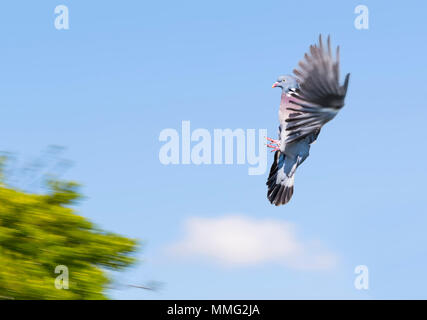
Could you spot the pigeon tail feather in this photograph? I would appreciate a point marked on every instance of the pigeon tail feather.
(279, 192)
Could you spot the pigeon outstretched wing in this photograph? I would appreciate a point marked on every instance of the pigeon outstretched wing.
(319, 97)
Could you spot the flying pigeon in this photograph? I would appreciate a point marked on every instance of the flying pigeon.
(309, 99)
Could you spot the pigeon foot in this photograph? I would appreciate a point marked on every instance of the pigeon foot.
(275, 144)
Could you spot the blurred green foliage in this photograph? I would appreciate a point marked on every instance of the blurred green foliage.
(41, 231)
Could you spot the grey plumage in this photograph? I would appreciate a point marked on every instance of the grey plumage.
(310, 99)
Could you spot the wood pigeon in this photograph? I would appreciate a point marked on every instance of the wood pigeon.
(309, 99)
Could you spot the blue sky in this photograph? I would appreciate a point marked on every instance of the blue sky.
(105, 89)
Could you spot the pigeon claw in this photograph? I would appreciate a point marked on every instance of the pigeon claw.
(275, 144)
(273, 141)
(274, 148)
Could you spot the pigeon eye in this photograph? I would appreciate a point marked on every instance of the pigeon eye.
(284, 80)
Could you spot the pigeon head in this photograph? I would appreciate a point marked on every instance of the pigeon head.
(286, 83)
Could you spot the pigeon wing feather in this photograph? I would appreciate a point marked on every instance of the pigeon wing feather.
(319, 97)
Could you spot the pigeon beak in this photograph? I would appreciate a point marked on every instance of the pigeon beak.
(275, 85)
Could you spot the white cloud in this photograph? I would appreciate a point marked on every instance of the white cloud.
(243, 241)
